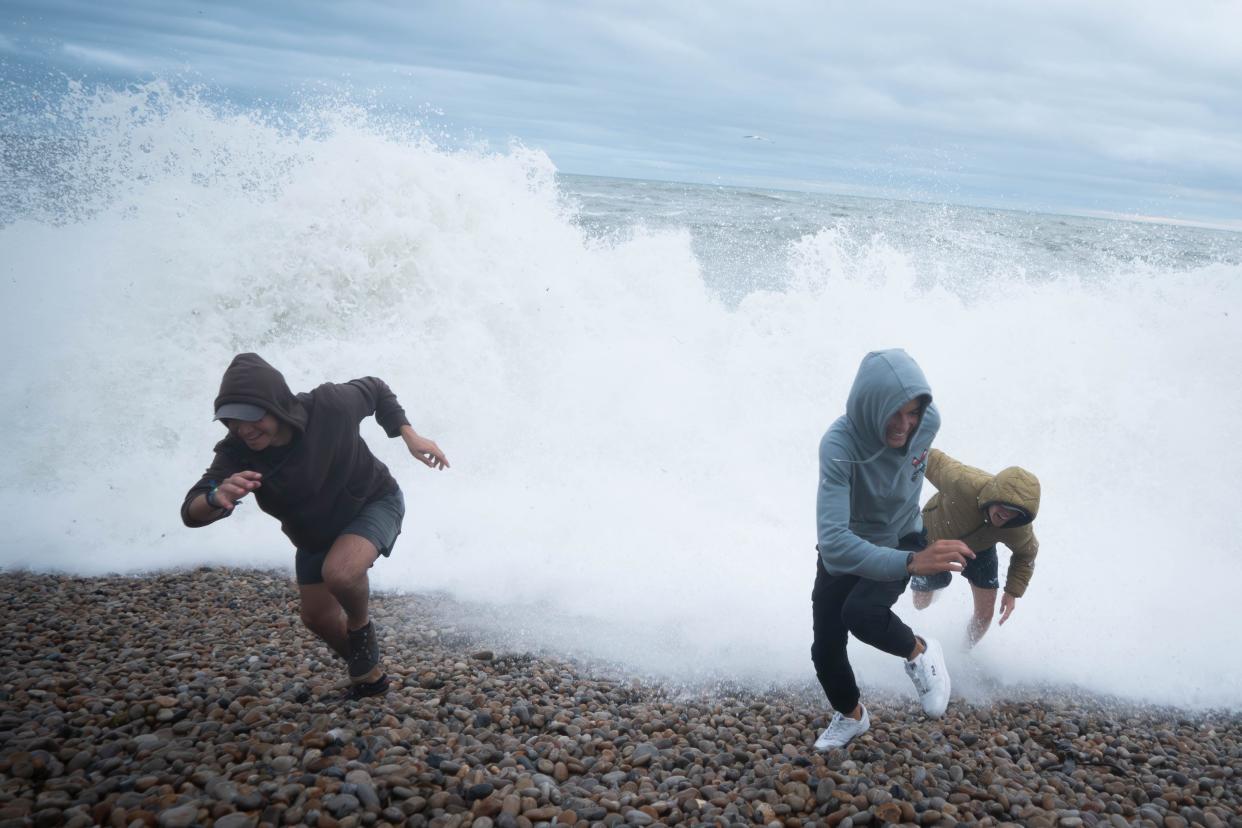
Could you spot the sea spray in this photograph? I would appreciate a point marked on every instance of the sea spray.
(632, 412)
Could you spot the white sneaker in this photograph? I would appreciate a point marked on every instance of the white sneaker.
(930, 678)
(842, 730)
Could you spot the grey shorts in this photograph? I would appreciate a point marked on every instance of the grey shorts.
(379, 522)
(982, 572)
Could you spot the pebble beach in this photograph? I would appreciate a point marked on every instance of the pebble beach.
(197, 698)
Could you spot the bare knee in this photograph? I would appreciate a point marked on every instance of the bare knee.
(334, 580)
(340, 579)
(345, 568)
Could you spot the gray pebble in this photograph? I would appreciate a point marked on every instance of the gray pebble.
(181, 816)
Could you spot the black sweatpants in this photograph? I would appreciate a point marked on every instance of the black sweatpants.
(843, 604)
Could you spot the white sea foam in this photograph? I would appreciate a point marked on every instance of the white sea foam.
(634, 457)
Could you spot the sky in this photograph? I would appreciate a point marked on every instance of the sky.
(1099, 108)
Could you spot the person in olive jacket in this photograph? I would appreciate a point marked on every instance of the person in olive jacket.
(307, 465)
(981, 510)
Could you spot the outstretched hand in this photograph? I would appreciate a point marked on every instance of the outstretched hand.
(1008, 604)
(237, 486)
(425, 451)
(941, 556)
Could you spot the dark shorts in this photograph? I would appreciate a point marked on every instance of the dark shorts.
(379, 522)
(981, 572)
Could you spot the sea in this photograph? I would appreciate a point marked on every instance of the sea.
(630, 380)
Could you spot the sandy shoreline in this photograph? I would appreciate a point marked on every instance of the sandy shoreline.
(192, 697)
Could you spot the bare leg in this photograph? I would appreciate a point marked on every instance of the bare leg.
(985, 605)
(345, 576)
(322, 615)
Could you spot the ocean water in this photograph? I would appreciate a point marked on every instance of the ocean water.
(630, 379)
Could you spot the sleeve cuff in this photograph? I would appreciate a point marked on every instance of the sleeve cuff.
(394, 430)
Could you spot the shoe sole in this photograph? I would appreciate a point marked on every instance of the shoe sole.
(369, 689)
(376, 673)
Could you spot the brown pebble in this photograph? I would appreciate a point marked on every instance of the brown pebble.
(218, 700)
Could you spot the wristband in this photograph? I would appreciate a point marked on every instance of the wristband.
(909, 560)
(211, 498)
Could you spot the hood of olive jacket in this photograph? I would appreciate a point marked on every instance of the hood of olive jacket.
(1013, 486)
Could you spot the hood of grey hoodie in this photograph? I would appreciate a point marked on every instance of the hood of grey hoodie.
(886, 380)
(885, 483)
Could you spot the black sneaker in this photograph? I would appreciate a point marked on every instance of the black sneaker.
(363, 651)
(366, 689)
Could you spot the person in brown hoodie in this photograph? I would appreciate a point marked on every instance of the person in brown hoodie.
(981, 510)
(307, 465)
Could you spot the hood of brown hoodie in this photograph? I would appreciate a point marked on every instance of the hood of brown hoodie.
(250, 379)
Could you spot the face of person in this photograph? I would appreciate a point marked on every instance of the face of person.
(259, 434)
(999, 515)
(901, 425)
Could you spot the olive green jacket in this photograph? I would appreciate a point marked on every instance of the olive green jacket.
(958, 511)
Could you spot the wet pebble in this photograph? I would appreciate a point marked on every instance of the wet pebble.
(196, 697)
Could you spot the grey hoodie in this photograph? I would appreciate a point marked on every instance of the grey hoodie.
(868, 492)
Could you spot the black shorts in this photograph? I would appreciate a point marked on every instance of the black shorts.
(379, 522)
(981, 571)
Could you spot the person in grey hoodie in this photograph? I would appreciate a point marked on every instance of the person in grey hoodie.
(871, 538)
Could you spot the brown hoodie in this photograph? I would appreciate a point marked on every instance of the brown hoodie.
(319, 482)
(958, 511)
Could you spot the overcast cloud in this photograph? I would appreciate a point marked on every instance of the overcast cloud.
(1110, 107)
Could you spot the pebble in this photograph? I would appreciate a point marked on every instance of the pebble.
(196, 697)
(235, 820)
(179, 817)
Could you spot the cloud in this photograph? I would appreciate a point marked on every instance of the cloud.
(103, 57)
(976, 99)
